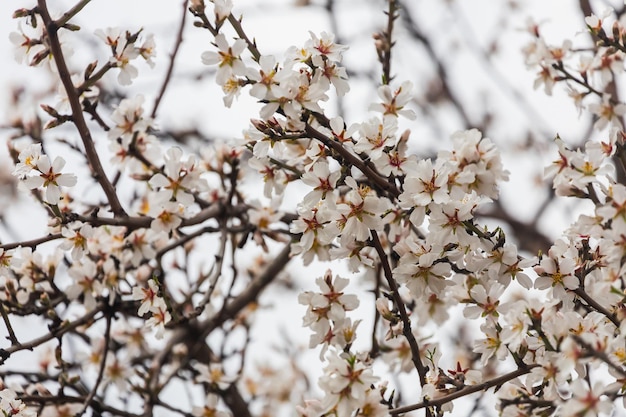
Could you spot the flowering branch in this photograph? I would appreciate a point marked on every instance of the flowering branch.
(467, 390)
(353, 160)
(406, 329)
(77, 111)
(597, 306)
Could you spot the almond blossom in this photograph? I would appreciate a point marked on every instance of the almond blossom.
(160, 317)
(227, 58)
(149, 297)
(346, 380)
(361, 213)
(209, 408)
(213, 374)
(11, 405)
(394, 101)
(51, 178)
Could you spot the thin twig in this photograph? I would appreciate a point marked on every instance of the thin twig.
(31, 243)
(94, 390)
(250, 294)
(69, 399)
(236, 24)
(594, 352)
(170, 68)
(62, 21)
(442, 72)
(5, 317)
(538, 123)
(388, 44)
(133, 223)
(216, 273)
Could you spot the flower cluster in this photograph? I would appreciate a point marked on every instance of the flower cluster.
(586, 72)
(125, 48)
(11, 405)
(153, 303)
(326, 313)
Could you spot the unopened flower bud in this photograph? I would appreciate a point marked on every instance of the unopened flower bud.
(197, 6)
(616, 29)
(260, 125)
(20, 13)
(50, 110)
(42, 390)
(382, 305)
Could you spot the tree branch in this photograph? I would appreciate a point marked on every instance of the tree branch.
(77, 111)
(470, 389)
(397, 299)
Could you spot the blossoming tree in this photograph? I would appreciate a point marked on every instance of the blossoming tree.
(140, 296)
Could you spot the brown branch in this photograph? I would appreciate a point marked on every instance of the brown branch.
(31, 243)
(236, 24)
(591, 351)
(77, 110)
(94, 390)
(596, 306)
(170, 68)
(496, 382)
(213, 277)
(12, 337)
(62, 21)
(585, 7)
(60, 331)
(252, 291)
(354, 160)
(193, 333)
(388, 43)
(397, 299)
(65, 399)
(233, 399)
